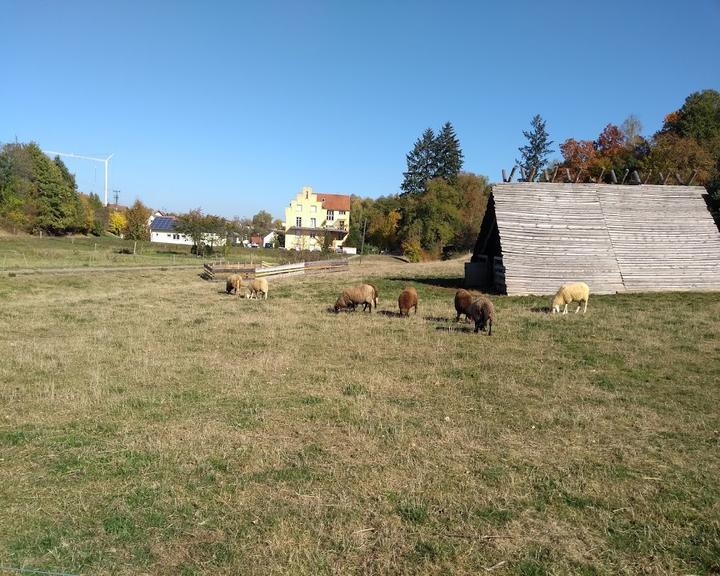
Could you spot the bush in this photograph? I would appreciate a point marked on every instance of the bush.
(412, 250)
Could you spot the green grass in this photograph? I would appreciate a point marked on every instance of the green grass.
(152, 424)
(28, 252)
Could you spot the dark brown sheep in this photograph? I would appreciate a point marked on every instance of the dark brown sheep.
(408, 299)
(463, 299)
(482, 312)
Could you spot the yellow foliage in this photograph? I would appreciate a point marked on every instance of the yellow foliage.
(117, 223)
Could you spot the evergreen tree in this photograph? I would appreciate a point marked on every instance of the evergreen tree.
(421, 164)
(448, 155)
(535, 153)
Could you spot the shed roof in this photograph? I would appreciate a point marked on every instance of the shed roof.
(616, 238)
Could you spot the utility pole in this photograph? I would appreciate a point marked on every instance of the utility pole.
(116, 195)
(103, 160)
(362, 248)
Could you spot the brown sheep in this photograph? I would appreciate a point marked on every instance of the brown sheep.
(463, 299)
(482, 312)
(233, 283)
(365, 294)
(257, 285)
(408, 299)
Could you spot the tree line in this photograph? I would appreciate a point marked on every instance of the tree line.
(687, 142)
(438, 210)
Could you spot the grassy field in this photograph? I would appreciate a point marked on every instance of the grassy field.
(30, 252)
(151, 424)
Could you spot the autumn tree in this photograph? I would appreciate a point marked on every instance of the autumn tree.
(117, 223)
(137, 217)
(534, 155)
(578, 154)
(262, 223)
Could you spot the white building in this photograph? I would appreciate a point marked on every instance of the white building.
(162, 229)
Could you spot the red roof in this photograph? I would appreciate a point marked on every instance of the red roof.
(335, 201)
(256, 239)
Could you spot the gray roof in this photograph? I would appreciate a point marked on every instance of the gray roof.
(163, 224)
(615, 238)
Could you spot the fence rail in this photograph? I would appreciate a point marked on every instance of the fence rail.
(213, 269)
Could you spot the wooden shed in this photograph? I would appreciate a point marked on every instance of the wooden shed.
(536, 236)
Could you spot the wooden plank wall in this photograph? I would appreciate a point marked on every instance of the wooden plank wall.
(550, 237)
(615, 238)
(664, 237)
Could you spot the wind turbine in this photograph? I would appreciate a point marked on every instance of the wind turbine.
(104, 160)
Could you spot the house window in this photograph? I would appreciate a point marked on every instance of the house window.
(341, 224)
(312, 235)
(330, 215)
(298, 221)
(313, 209)
(176, 236)
(341, 213)
(298, 208)
(313, 223)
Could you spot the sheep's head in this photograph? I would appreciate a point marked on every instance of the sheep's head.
(340, 303)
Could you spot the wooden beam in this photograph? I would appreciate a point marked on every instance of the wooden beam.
(625, 175)
(692, 177)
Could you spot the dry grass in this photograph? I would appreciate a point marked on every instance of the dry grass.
(152, 424)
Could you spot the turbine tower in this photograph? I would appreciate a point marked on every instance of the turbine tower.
(104, 160)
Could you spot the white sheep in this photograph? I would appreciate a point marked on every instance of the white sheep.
(257, 285)
(577, 292)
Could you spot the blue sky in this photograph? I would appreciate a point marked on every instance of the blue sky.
(234, 106)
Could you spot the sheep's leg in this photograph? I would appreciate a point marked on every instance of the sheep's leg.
(565, 309)
(578, 308)
(490, 328)
(585, 308)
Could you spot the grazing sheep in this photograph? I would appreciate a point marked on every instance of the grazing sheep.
(463, 299)
(408, 299)
(365, 294)
(482, 312)
(578, 292)
(234, 281)
(257, 285)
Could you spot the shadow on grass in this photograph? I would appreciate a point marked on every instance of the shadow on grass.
(437, 282)
(331, 310)
(392, 314)
(541, 309)
(456, 328)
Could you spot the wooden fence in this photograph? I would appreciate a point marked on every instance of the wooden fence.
(212, 270)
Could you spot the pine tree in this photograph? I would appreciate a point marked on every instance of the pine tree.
(535, 153)
(421, 164)
(448, 156)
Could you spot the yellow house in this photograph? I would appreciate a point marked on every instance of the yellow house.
(310, 217)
